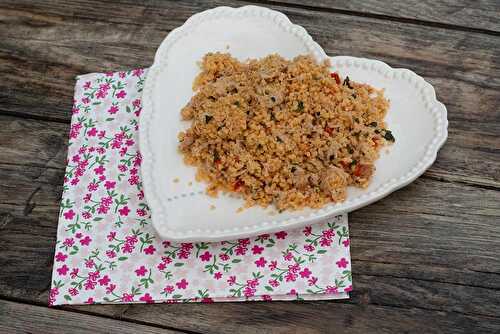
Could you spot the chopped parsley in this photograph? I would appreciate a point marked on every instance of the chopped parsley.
(300, 106)
(388, 136)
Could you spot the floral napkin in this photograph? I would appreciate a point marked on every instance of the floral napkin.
(108, 252)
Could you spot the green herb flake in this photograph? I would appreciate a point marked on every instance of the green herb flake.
(208, 118)
(300, 106)
(388, 136)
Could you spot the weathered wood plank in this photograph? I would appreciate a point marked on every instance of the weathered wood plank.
(54, 43)
(23, 318)
(454, 246)
(466, 14)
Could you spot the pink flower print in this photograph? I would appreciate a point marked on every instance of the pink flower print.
(92, 186)
(309, 248)
(101, 94)
(102, 178)
(348, 289)
(206, 256)
(207, 300)
(78, 235)
(86, 85)
(69, 215)
(331, 290)
(263, 237)
(290, 277)
(274, 283)
(244, 242)
(101, 134)
(74, 181)
(261, 262)
(131, 239)
(218, 275)
(273, 265)
(60, 257)
(124, 211)
(87, 197)
(168, 289)
(292, 292)
(104, 86)
(92, 132)
(142, 213)
(94, 275)
(91, 149)
(89, 301)
(312, 280)
(146, 298)
(109, 185)
(85, 241)
(325, 242)
(294, 268)
(288, 256)
(133, 171)
(129, 142)
(134, 179)
(122, 168)
(342, 263)
(253, 283)
(150, 250)
(141, 271)
(307, 231)
(249, 292)
(138, 159)
(74, 273)
(223, 257)
(111, 254)
(166, 243)
(231, 280)
(107, 201)
(346, 243)
(111, 235)
(281, 235)
(89, 284)
(86, 100)
(101, 150)
(136, 103)
(140, 195)
(79, 171)
(127, 298)
(68, 242)
(266, 298)
(63, 270)
(113, 110)
(328, 233)
(110, 288)
(166, 259)
(182, 284)
(121, 94)
(82, 150)
(137, 72)
(123, 151)
(257, 249)
(109, 74)
(74, 134)
(73, 291)
(99, 170)
(305, 273)
(161, 266)
(75, 158)
(239, 250)
(122, 74)
(89, 263)
(102, 209)
(86, 215)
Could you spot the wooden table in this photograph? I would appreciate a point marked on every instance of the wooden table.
(426, 259)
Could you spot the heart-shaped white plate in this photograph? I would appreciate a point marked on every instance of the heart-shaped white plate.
(180, 209)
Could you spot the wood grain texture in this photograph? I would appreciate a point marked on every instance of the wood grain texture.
(465, 14)
(23, 318)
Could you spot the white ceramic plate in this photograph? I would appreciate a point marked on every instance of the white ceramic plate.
(180, 210)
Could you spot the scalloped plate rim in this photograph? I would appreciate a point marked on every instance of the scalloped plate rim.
(385, 189)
